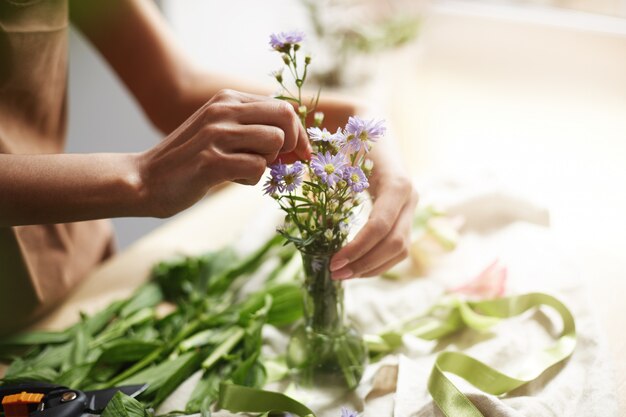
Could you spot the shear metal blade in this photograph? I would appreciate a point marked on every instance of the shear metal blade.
(98, 400)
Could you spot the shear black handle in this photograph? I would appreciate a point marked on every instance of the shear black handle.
(58, 401)
(64, 403)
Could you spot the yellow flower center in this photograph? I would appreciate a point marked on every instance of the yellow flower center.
(354, 178)
(289, 179)
(329, 168)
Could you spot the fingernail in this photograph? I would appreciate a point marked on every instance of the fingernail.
(343, 274)
(338, 264)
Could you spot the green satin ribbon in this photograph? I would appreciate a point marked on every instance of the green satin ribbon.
(449, 316)
(237, 398)
(454, 403)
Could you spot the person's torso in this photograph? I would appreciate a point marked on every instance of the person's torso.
(33, 75)
(39, 264)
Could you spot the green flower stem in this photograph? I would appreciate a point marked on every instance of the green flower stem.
(224, 348)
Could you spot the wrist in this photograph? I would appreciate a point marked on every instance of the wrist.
(134, 186)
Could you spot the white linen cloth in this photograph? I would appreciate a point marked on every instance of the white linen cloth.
(497, 226)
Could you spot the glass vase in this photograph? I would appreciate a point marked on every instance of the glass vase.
(325, 350)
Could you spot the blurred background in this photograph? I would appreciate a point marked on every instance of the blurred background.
(530, 94)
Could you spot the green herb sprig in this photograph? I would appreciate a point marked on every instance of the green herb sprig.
(210, 329)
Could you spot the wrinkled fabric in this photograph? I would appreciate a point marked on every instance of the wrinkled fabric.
(518, 235)
(39, 264)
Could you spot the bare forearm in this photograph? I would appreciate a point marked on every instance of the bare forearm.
(40, 189)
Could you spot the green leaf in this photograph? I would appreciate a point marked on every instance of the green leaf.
(94, 324)
(119, 327)
(163, 374)
(149, 295)
(287, 304)
(121, 405)
(203, 338)
(205, 392)
(250, 372)
(249, 264)
(184, 371)
(75, 376)
(41, 374)
(127, 350)
(79, 350)
(51, 356)
(235, 337)
(35, 338)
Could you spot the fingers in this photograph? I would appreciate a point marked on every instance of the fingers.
(385, 253)
(243, 168)
(282, 115)
(252, 109)
(286, 158)
(263, 140)
(383, 268)
(385, 211)
(235, 96)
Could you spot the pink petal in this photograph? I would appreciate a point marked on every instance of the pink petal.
(490, 283)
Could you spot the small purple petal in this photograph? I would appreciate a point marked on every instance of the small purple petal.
(329, 168)
(284, 177)
(360, 132)
(292, 176)
(323, 135)
(272, 186)
(345, 412)
(281, 40)
(356, 179)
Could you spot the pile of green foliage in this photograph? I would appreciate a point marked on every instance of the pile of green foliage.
(211, 328)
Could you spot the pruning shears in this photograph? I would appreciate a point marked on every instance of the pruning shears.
(39, 399)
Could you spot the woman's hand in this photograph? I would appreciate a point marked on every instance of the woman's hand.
(233, 137)
(385, 238)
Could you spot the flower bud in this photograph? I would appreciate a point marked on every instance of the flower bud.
(342, 183)
(368, 165)
(286, 59)
(333, 205)
(278, 74)
(306, 189)
(302, 110)
(318, 118)
(307, 59)
(299, 82)
(296, 46)
(337, 217)
(328, 234)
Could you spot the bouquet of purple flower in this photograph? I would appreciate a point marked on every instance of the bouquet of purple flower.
(319, 198)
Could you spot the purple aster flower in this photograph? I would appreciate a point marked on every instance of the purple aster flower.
(360, 132)
(356, 179)
(328, 167)
(272, 186)
(345, 412)
(292, 176)
(274, 183)
(283, 40)
(323, 135)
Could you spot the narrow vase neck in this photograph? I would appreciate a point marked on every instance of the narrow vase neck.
(323, 298)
